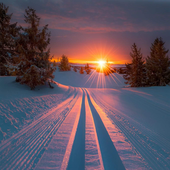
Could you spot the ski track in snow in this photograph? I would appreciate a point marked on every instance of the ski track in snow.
(19, 112)
(84, 132)
(23, 150)
(150, 146)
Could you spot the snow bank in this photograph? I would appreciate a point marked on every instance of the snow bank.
(19, 105)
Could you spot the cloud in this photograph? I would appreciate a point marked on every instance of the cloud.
(92, 16)
(75, 24)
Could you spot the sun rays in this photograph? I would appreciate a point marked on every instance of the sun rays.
(101, 53)
(101, 63)
(102, 72)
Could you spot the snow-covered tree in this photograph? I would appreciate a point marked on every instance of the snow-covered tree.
(87, 69)
(64, 64)
(128, 71)
(157, 64)
(8, 35)
(135, 71)
(81, 70)
(35, 66)
(75, 69)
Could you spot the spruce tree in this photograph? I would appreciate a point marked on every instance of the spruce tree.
(8, 35)
(135, 74)
(75, 69)
(157, 64)
(35, 66)
(128, 75)
(87, 68)
(64, 64)
(81, 70)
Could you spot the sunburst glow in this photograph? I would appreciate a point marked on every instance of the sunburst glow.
(102, 72)
(101, 63)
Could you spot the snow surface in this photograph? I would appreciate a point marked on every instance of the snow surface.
(93, 80)
(78, 126)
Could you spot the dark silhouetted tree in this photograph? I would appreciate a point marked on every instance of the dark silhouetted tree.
(35, 66)
(127, 75)
(75, 69)
(87, 69)
(81, 70)
(157, 64)
(64, 64)
(120, 71)
(8, 35)
(135, 74)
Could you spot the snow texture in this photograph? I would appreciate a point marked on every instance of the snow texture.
(78, 126)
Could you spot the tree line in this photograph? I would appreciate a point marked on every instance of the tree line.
(64, 65)
(154, 71)
(24, 51)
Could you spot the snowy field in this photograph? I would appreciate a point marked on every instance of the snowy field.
(85, 122)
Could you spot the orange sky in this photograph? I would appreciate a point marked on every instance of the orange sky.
(87, 31)
(93, 52)
(95, 61)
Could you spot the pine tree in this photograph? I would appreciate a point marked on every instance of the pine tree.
(35, 66)
(8, 35)
(135, 74)
(87, 68)
(127, 76)
(64, 64)
(81, 70)
(157, 64)
(75, 69)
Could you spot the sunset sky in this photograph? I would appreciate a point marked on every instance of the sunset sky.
(88, 30)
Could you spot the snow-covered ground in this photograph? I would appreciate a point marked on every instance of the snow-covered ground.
(94, 80)
(78, 126)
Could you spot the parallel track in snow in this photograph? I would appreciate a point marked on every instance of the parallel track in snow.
(111, 159)
(149, 145)
(26, 147)
(85, 133)
(78, 148)
(105, 152)
(89, 145)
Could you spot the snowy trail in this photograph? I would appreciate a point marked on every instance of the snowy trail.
(84, 131)
(111, 159)
(148, 145)
(96, 150)
(77, 156)
(58, 152)
(83, 146)
(23, 150)
(92, 148)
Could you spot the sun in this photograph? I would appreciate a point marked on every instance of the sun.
(101, 63)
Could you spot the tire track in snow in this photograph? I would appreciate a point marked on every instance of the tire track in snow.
(25, 148)
(111, 159)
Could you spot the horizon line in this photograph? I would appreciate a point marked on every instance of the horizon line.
(74, 61)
